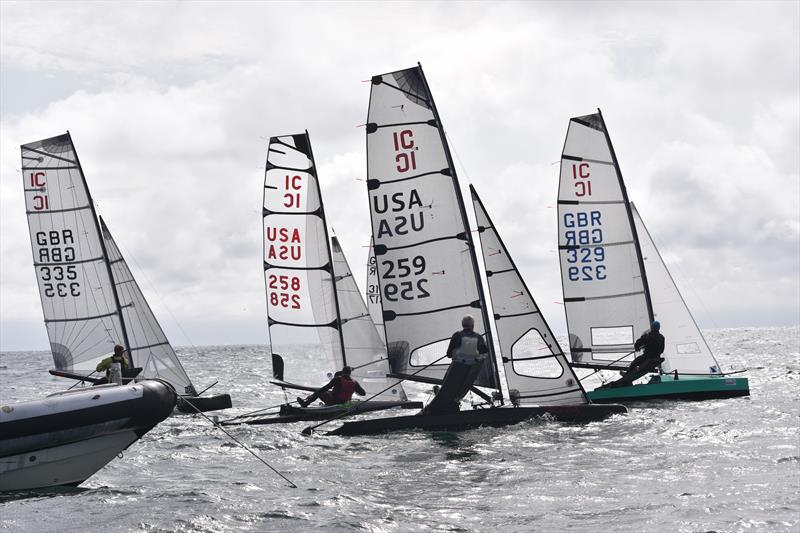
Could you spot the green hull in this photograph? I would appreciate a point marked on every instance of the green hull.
(666, 387)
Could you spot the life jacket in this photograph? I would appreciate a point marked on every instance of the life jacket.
(345, 390)
(467, 351)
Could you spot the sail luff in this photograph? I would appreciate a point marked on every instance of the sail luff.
(468, 233)
(105, 251)
(624, 189)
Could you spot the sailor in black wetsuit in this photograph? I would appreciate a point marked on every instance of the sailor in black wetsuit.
(652, 344)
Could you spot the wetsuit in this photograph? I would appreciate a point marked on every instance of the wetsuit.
(468, 351)
(653, 344)
(338, 390)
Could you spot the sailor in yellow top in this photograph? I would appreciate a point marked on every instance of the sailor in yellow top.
(118, 357)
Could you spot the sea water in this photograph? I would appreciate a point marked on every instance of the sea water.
(715, 465)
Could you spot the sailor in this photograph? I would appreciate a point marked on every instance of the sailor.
(466, 346)
(339, 390)
(653, 344)
(117, 357)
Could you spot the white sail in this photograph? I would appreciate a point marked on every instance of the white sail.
(374, 294)
(149, 347)
(298, 271)
(80, 306)
(685, 349)
(603, 279)
(363, 347)
(426, 262)
(533, 362)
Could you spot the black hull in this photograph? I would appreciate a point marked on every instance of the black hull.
(494, 417)
(68, 436)
(204, 403)
(303, 414)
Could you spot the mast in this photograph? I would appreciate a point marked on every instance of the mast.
(330, 255)
(105, 252)
(467, 232)
(630, 219)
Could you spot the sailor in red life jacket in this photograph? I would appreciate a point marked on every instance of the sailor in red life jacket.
(339, 390)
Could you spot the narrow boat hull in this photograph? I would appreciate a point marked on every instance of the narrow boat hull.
(669, 388)
(65, 438)
(289, 414)
(463, 420)
(204, 403)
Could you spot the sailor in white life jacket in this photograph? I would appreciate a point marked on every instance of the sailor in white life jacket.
(466, 346)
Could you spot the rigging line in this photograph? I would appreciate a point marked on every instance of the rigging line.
(611, 363)
(237, 441)
(310, 429)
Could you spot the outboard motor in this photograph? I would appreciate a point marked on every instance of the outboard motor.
(115, 373)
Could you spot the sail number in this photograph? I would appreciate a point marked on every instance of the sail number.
(57, 280)
(404, 268)
(404, 148)
(41, 202)
(587, 261)
(279, 284)
(582, 183)
(373, 290)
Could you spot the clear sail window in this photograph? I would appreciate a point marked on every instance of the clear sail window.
(526, 354)
(687, 348)
(612, 336)
(425, 355)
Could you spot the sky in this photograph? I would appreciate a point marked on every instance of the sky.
(170, 105)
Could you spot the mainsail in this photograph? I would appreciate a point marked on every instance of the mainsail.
(534, 364)
(302, 306)
(149, 346)
(81, 308)
(685, 348)
(603, 278)
(363, 347)
(428, 272)
(312, 297)
(374, 293)
(89, 296)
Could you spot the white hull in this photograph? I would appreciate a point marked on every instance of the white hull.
(67, 464)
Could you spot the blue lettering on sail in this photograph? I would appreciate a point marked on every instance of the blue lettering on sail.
(588, 255)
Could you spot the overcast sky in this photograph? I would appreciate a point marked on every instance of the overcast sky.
(170, 105)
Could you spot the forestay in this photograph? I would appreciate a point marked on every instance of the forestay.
(80, 306)
(533, 362)
(603, 279)
(426, 261)
(149, 347)
(374, 293)
(685, 349)
(363, 347)
(298, 271)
